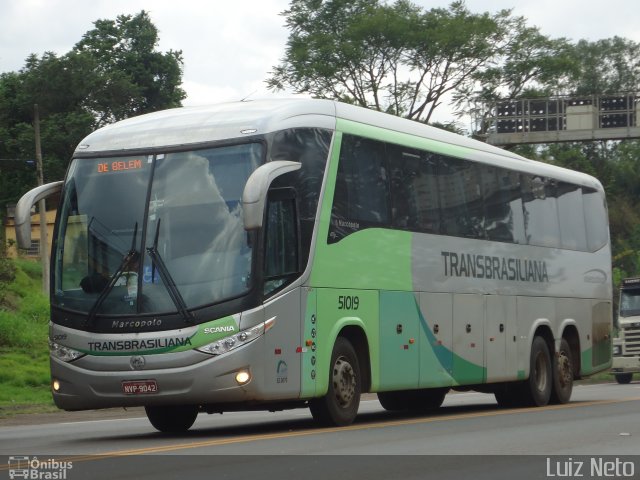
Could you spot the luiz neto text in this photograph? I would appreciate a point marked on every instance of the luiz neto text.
(595, 467)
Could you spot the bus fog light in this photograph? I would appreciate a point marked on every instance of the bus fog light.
(243, 377)
(55, 385)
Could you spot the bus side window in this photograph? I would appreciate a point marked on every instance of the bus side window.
(573, 232)
(459, 185)
(414, 190)
(504, 219)
(361, 198)
(496, 206)
(281, 240)
(595, 215)
(541, 212)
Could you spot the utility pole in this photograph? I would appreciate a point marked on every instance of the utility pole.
(44, 244)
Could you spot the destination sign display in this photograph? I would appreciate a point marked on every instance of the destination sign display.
(119, 166)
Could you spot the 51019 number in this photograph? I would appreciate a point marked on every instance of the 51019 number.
(348, 302)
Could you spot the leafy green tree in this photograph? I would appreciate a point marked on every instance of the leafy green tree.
(606, 66)
(113, 72)
(394, 58)
(133, 78)
(532, 65)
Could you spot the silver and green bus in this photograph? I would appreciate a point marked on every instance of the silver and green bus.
(285, 253)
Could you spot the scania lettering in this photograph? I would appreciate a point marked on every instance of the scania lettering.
(291, 253)
(219, 329)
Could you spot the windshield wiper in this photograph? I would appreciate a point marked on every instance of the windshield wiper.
(131, 257)
(168, 281)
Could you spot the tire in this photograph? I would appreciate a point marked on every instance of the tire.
(562, 374)
(624, 378)
(339, 406)
(422, 400)
(536, 391)
(172, 419)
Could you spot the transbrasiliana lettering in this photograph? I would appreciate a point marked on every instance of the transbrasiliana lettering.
(494, 268)
(135, 345)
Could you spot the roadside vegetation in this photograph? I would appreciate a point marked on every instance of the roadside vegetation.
(24, 360)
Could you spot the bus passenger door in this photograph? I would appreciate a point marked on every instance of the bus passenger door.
(500, 338)
(468, 339)
(399, 341)
(436, 349)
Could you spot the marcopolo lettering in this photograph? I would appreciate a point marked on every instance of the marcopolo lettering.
(494, 268)
(135, 345)
(136, 323)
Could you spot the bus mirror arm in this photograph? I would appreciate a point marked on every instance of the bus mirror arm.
(23, 210)
(255, 191)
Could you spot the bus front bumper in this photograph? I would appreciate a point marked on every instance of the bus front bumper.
(188, 378)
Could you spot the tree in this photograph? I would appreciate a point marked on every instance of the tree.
(133, 77)
(394, 58)
(532, 65)
(112, 73)
(606, 66)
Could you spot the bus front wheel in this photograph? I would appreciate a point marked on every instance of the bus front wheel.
(339, 406)
(172, 418)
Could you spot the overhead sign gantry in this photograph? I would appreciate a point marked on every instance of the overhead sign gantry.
(564, 119)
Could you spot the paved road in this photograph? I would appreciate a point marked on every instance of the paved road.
(601, 420)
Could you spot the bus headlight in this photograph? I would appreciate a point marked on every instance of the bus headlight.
(232, 342)
(617, 349)
(63, 353)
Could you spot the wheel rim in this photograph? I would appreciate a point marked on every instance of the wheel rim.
(564, 369)
(541, 372)
(344, 381)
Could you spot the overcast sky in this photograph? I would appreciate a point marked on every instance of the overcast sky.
(229, 46)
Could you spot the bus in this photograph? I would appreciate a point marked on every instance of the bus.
(282, 253)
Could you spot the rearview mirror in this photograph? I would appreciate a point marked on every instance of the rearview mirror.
(255, 191)
(23, 210)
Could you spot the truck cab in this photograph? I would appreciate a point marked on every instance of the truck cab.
(626, 347)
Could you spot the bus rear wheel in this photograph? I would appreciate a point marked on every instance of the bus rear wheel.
(562, 374)
(339, 406)
(172, 418)
(536, 391)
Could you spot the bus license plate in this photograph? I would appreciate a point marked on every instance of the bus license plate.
(139, 387)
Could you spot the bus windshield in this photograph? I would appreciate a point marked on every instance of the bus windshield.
(154, 233)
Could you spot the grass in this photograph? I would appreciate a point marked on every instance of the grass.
(24, 355)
